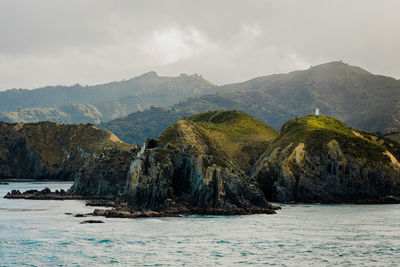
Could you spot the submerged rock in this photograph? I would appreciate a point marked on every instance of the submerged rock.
(91, 221)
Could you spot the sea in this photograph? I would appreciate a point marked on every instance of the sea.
(39, 233)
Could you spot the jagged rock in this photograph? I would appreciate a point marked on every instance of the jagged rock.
(320, 159)
(104, 174)
(159, 174)
(14, 192)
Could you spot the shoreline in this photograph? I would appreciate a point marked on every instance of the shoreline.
(47, 194)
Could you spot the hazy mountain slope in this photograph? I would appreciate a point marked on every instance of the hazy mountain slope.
(112, 100)
(351, 94)
(72, 113)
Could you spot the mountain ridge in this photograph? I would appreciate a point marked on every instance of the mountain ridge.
(48, 103)
(363, 100)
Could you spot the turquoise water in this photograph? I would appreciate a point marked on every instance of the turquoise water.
(38, 233)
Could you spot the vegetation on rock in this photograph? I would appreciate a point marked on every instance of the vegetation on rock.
(231, 136)
(47, 150)
(320, 159)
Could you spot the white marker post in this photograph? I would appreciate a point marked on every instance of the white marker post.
(317, 111)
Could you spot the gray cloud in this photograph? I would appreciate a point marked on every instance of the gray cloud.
(93, 41)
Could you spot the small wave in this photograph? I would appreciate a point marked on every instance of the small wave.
(105, 241)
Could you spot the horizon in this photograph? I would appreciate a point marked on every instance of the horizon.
(95, 42)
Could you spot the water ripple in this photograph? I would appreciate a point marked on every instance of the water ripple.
(38, 233)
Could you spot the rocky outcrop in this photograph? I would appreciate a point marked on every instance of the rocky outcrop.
(162, 178)
(48, 150)
(172, 181)
(319, 159)
(47, 194)
(178, 173)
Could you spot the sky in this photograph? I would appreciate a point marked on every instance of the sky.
(64, 42)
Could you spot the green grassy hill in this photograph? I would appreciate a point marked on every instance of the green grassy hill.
(317, 131)
(231, 136)
(321, 159)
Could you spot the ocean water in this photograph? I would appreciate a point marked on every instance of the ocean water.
(38, 233)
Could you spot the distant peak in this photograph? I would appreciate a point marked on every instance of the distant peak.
(338, 65)
(150, 74)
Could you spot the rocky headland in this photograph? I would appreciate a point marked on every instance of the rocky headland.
(320, 159)
(52, 151)
(228, 163)
(198, 165)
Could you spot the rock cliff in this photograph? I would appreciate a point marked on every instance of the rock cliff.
(184, 170)
(48, 150)
(320, 159)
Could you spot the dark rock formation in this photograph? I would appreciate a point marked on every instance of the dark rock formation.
(179, 211)
(179, 173)
(47, 194)
(320, 159)
(161, 178)
(104, 174)
(91, 221)
(103, 204)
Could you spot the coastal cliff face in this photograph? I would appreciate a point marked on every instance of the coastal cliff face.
(320, 159)
(180, 172)
(48, 150)
(104, 174)
(167, 177)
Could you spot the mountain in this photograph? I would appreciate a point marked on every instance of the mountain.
(94, 104)
(361, 99)
(321, 159)
(47, 150)
(194, 167)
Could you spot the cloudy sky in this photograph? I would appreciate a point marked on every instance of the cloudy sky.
(47, 42)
